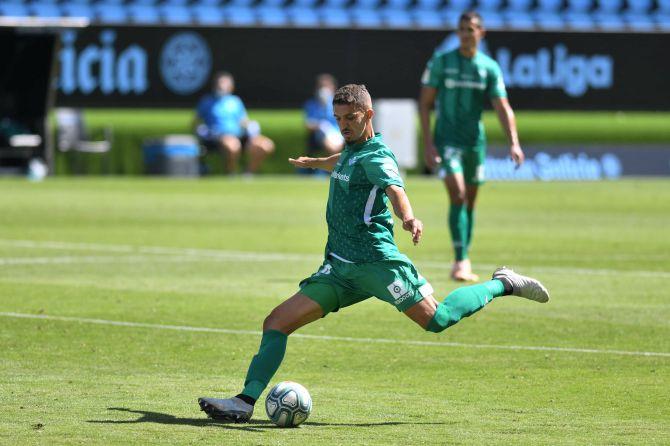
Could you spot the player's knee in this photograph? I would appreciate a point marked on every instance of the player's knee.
(273, 321)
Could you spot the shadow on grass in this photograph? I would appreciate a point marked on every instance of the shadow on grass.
(253, 425)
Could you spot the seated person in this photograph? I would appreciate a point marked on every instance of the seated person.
(221, 119)
(324, 134)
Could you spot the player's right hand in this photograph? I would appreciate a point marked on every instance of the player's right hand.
(415, 227)
(303, 161)
(431, 157)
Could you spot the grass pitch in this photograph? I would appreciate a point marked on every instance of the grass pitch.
(122, 301)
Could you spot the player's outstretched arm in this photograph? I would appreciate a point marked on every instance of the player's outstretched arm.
(327, 163)
(508, 122)
(403, 209)
(426, 104)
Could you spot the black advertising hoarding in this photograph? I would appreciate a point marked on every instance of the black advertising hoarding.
(172, 67)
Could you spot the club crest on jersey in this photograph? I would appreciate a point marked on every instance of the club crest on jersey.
(353, 160)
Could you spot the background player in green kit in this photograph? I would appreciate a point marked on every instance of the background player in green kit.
(457, 83)
(361, 258)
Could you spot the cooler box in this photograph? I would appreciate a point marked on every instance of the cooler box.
(174, 155)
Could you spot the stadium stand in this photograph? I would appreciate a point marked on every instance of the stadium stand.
(581, 15)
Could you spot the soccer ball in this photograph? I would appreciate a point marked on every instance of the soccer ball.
(288, 404)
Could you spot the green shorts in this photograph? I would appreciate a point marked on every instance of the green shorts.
(338, 284)
(469, 162)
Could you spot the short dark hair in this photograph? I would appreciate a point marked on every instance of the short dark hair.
(468, 16)
(353, 94)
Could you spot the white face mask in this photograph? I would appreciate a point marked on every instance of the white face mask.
(325, 95)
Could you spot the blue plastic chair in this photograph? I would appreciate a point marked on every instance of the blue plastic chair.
(396, 18)
(493, 20)
(239, 16)
(109, 13)
(397, 5)
(609, 6)
(488, 5)
(239, 3)
(366, 18)
(642, 6)
(45, 10)
(207, 15)
(304, 3)
(579, 6)
(335, 17)
(580, 22)
(518, 20)
(144, 14)
(270, 4)
(663, 6)
(13, 10)
(545, 6)
(427, 5)
(78, 10)
(327, 4)
(426, 19)
(609, 22)
(176, 14)
(549, 21)
(271, 16)
(303, 17)
(460, 5)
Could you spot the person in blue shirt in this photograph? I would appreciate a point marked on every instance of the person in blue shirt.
(221, 119)
(324, 135)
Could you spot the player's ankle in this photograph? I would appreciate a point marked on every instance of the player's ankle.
(246, 398)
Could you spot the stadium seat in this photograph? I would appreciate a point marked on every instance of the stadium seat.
(518, 20)
(328, 4)
(110, 13)
(637, 15)
(489, 5)
(207, 2)
(396, 18)
(663, 6)
(493, 20)
(303, 16)
(397, 4)
(661, 16)
(45, 10)
(580, 22)
(334, 17)
(270, 3)
(549, 21)
(78, 10)
(608, 7)
(143, 14)
(549, 6)
(271, 16)
(239, 3)
(142, 2)
(366, 18)
(519, 5)
(365, 4)
(458, 5)
(175, 2)
(175, 14)
(427, 5)
(239, 15)
(579, 6)
(207, 15)
(428, 19)
(304, 3)
(13, 10)
(609, 21)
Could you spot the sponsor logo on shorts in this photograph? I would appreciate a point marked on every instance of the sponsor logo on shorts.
(398, 291)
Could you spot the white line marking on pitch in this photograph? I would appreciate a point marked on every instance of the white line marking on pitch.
(249, 256)
(332, 338)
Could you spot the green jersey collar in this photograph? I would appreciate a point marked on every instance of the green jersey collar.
(355, 147)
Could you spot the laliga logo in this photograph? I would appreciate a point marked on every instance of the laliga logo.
(100, 66)
(574, 73)
(185, 63)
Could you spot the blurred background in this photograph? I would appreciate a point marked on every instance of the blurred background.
(110, 87)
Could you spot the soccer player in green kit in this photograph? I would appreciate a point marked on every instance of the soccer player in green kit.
(457, 83)
(361, 257)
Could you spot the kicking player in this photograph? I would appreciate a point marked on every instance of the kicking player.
(460, 81)
(362, 259)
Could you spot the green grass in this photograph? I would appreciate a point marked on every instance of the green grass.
(132, 126)
(602, 248)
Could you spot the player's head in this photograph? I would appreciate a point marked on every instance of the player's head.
(352, 107)
(470, 29)
(324, 88)
(223, 83)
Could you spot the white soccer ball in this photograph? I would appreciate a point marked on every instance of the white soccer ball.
(288, 404)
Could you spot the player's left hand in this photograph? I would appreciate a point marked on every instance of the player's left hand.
(415, 227)
(517, 155)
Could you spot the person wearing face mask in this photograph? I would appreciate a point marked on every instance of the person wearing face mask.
(222, 121)
(324, 135)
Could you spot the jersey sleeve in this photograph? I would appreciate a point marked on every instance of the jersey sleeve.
(382, 170)
(432, 75)
(242, 110)
(495, 85)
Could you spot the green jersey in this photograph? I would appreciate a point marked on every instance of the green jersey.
(360, 226)
(462, 84)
